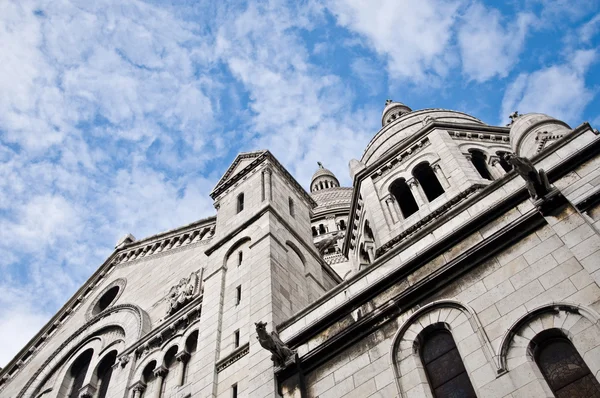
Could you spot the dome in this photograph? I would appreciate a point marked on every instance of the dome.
(526, 132)
(406, 125)
(392, 111)
(323, 179)
(337, 198)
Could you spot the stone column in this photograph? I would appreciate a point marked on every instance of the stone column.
(437, 169)
(391, 209)
(268, 184)
(138, 389)
(160, 373)
(182, 357)
(497, 170)
(416, 192)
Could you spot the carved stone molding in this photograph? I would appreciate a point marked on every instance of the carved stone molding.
(184, 292)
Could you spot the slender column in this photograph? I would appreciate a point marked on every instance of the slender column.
(497, 169)
(160, 373)
(416, 191)
(439, 173)
(182, 357)
(268, 185)
(138, 389)
(262, 186)
(391, 210)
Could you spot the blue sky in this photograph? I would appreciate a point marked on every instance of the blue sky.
(119, 116)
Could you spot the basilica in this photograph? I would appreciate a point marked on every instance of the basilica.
(464, 261)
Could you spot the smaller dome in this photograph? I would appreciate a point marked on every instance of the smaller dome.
(529, 132)
(323, 179)
(392, 111)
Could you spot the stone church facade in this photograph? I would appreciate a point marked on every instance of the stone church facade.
(451, 268)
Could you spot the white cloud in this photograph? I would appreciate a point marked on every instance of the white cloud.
(559, 90)
(489, 44)
(412, 34)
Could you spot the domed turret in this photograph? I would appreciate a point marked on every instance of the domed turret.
(392, 111)
(323, 179)
(531, 132)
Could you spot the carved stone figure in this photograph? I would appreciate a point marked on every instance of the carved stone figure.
(537, 182)
(182, 293)
(513, 117)
(329, 242)
(272, 342)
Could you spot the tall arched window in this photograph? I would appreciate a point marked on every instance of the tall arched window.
(191, 345)
(479, 160)
(401, 192)
(104, 373)
(148, 377)
(77, 373)
(428, 180)
(444, 367)
(562, 366)
(240, 202)
(291, 206)
(314, 231)
(169, 363)
(321, 229)
(342, 225)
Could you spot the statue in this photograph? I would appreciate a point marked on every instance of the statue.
(537, 182)
(182, 293)
(513, 117)
(272, 342)
(320, 165)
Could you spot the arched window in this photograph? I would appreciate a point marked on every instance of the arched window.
(148, 376)
(363, 255)
(78, 371)
(503, 162)
(169, 363)
(444, 367)
(562, 366)
(342, 225)
(428, 180)
(368, 231)
(401, 192)
(191, 345)
(314, 231)
(291, 206)
(104, 373)
(478, 159)
(321, 229)
(240, 202)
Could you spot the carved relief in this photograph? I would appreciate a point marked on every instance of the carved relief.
(183, 293)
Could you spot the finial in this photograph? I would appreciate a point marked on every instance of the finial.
(320, 165)
(513, 117)
(388, 101)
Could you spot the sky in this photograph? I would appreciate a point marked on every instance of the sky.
(119, 116)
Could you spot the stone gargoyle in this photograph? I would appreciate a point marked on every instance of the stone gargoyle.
(537, 181)
(272, 342)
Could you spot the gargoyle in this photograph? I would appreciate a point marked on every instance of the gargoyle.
(272, 342)
(537, 181)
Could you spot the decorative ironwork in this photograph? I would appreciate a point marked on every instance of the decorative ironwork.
(444, 367)
(565, 371)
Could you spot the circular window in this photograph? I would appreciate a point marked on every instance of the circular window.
(107, 297)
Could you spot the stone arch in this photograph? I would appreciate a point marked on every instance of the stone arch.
(296, 250)
(58, 373)
(234, 247)
(118, 315)
(429, 182)
(156, 355)
(579, 324)
(468, 333)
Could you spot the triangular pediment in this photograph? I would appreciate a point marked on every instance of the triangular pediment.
(241, 161)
